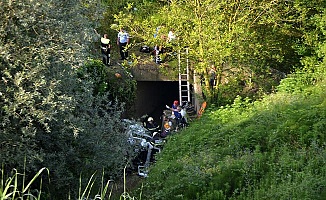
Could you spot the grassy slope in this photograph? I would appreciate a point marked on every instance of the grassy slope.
(272, 149)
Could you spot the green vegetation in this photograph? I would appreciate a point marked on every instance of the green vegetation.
(250, 43)
(49, 116)
(116, 82)
(268, 149)
(10, 188)
(260, 137)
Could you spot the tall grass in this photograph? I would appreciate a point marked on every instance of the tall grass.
(84, 193)
(103, 193)
(13, 187)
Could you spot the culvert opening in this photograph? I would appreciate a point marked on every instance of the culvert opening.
(152, 96)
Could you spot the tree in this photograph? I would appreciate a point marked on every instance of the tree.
(48, 115)
(245, 40)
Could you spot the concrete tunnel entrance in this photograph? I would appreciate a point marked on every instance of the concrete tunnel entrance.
(152, 96)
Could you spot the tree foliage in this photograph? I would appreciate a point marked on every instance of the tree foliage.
(117, 83)
(268, 149)
(48, 115)
(245, 40)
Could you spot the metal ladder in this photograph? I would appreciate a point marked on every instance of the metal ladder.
(184, 85)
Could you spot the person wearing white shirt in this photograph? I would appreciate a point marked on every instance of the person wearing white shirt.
(122, 42)
(171, 35)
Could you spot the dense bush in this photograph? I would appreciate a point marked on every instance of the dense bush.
(116, 82)
(49, 116)
(269, 149)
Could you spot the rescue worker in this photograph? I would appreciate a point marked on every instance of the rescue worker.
(151, 125)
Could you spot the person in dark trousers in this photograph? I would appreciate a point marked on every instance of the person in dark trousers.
(105, 49)
(151, 125)
(122, 42)
(212, 77)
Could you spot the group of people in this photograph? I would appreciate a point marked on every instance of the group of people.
(123, 40)
(178, 113)
(158, 49)
(177, 116)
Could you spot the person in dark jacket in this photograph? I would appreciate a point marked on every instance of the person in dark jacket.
(105, 49)
(151, 125)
